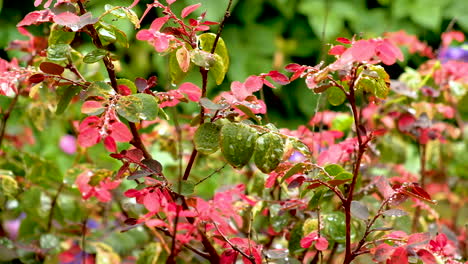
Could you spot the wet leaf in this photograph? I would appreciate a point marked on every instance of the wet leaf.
(51, 68)
(238, 143)
(394, 212)
(206, 138)
(335, 96)
(95, 56)
(137, 107)
(268, 152)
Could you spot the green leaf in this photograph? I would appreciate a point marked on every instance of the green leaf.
(333, 169)
(335, 96)
(95, 56)
(58, 53)
(202, 58)
(206, 138)
(334, 226)
(100, 89)
(316, 199)
(184, 188)
(60, 36)
(121, 37)
(294, 243)
(221, 65)
(124, 12)
(269, 152)
(64, 95)
(238, 143)
(131, 85)
(137, 106)
(342, 122)
(106, 34)
(249, 113)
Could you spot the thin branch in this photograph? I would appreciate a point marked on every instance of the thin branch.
(249, 257)
(6, 116)
(211, 174)
(227, 14)
(52, 207)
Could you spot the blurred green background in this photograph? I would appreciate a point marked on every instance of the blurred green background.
(262, 35)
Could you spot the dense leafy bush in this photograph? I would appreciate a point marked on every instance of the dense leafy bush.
(101, 167)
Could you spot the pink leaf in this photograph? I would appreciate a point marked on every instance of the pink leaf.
(110, 144)
(158, 23)
(253, 83)
(189, 9)
(36, 17)
(156, 222)
(37, 3)
(89, 137)
(120, 132)
(151, 201)
(239, 91)
(337, 50)
(73, 21)
(170, 1)
(144, 34)
(90, 107)
(191, 90)
(306, 241)
(321, 244)
(362, 50)
(161, 43)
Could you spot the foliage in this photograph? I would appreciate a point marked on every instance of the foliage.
(100, 167)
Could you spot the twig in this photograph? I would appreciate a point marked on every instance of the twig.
(84, 229)
(211, 174)
(249, 257)
(6, 116)
(52, 207)
(422, 180)
(227, 14)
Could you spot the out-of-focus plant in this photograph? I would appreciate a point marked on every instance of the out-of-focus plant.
(99, 168)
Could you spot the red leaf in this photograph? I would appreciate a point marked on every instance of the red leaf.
(158, 23)
(293, 67)
(253, 83)
(418, 238)
(90, 107)
(51, 68)
(89, 137)
(426, 256)
(124, 90)
(278, 77)
(110, 144)
(399, 256)
(229, 256)
(321, 244)
(134, 155)
(382, 252)
(406, 122)
(36, 78)
(191, 90)
(120, 132)
(151, 201)
(156, 222)
(337, 50)
(189, 9)
(307, 241)
(343, 40)
(90, 121)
